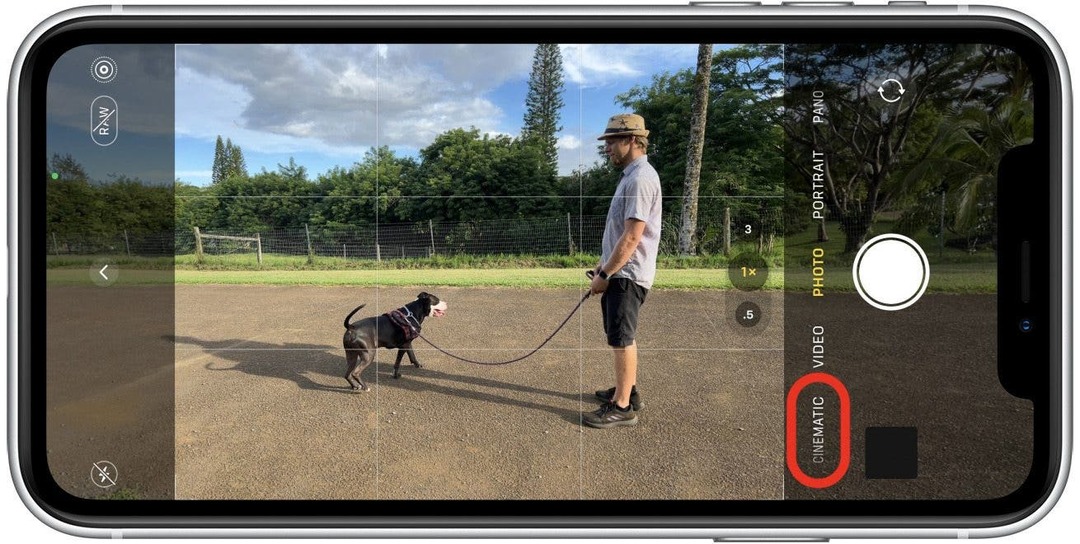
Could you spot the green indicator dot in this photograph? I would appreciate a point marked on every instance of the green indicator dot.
(54, 175)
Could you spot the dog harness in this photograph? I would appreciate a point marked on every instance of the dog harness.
(402, 320)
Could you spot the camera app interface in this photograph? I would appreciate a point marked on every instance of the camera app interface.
(529, 271)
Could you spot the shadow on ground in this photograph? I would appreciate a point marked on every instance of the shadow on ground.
(269, 360)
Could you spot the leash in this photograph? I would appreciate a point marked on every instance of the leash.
(527, 355)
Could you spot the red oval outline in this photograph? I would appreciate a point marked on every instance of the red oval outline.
(845, 430)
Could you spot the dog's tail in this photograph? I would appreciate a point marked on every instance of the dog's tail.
(351, 314)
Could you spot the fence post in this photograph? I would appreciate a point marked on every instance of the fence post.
(127, 243)
(431, 230)
(378, 253)
(310, 251)
(727, 230)
(56, 245)
(569, 235)
(344, 252)
(941, 229)
(258, 247)
(198, 246)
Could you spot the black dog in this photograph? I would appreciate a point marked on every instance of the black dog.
(395, 329)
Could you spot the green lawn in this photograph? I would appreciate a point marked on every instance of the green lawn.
(955, 278)
(953, 271)
(800, 245)
(522, 277)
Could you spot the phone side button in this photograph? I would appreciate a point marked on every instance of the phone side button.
(720, 3)
(818, 4)
(907, 2)
(737, 539)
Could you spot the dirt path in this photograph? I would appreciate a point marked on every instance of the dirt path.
(263, 410)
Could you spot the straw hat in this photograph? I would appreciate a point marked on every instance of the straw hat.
(625, 124)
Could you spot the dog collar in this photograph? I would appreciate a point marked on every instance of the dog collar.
(408, 315)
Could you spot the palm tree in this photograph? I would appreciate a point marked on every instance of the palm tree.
(962, 166)
(691, 182)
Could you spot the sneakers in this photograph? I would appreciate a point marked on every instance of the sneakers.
(609, 415)
(607, 395)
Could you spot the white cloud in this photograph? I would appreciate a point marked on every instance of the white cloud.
(580, 157)
(594, 65)
(568, 142)
(589, 64)
(339, 100)
(419, 126)
(336, 97)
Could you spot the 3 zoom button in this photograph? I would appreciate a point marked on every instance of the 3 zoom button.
(103, 121)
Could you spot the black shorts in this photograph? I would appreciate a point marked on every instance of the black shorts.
(620, 304)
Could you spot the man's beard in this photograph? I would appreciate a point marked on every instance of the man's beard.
(620, 161)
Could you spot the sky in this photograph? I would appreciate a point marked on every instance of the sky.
(326, 105)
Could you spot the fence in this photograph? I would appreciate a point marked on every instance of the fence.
(564, 235)
(121, 243)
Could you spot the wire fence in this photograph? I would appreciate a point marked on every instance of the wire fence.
(565, 235)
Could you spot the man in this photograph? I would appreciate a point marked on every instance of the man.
(627, 263)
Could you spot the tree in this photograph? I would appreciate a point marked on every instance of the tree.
(217, 173)
(742, 144)
(234, 160)
(194, 206)
(543, 102)
(698, 116)
(292, 206)
(67, 168)
(467, 176)
(73, 205)
(368, 190)
(864, 143)
(228, 161)
(957, 181)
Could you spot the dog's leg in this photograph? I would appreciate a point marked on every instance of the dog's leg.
(397, 363)
(351, 357)
(412, 355)
(366, 356)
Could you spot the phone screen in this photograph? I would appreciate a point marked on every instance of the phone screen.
(850, 303)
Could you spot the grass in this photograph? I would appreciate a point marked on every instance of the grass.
(800, 245)
(123, 261)
(944, 278)
(952, 271)
(123, 494)
(518, 277)
(955, 278)
(443, 262)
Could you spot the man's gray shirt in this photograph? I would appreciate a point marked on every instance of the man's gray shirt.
(636, 197)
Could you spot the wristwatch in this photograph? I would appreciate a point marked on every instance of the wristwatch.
(603, 275)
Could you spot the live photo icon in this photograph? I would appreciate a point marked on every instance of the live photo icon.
(892, 453)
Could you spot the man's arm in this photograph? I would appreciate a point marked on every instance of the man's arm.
(624, 249)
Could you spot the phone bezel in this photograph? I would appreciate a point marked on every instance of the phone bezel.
(809, 515)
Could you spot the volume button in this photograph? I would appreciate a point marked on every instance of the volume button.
(729, 4)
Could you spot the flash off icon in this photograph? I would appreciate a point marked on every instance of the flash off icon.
(103, 69)
(104, 474)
